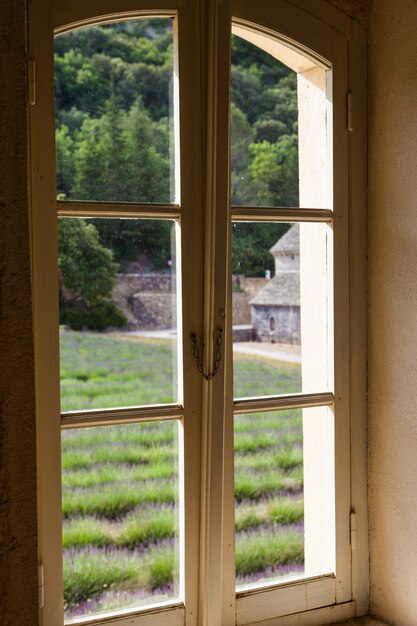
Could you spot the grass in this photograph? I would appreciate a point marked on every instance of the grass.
(98, 370)
(120, 487)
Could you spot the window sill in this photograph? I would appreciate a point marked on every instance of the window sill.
(362, 621)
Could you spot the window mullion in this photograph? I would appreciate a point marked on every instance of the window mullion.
(278, 403)
(278, 214)
(187, 65)
(82, 208)
(217, 584)
(107, 417)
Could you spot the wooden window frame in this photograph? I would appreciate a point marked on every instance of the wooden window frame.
(209, 597)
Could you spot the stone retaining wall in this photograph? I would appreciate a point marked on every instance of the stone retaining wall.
(154, 310)
(147, 300)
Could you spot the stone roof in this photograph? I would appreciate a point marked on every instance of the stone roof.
(288, 243)
(282, 290)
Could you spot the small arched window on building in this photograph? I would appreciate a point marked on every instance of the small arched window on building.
(272, 323)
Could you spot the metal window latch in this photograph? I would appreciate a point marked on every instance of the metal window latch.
(217, 355)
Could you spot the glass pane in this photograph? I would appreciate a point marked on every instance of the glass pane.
(120, 509)
(114, 112)
(283, 495)
(118, 313)
(278, 125)
(281, 304)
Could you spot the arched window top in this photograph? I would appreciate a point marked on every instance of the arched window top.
(286, 52)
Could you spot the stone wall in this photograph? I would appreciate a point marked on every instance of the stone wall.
(147, 300)
(248, 288)
(127, 284)
(154, 310)
(241, 309)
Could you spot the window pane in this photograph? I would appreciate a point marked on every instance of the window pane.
(120, 509)
(281, 304)
(283, 495)
(278, 125)
(114, 112)
(118, 310)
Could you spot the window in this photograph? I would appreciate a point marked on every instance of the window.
(222, 446)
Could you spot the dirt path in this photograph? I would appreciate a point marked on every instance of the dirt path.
(277, 351)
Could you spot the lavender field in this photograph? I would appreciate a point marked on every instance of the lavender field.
(120, 483)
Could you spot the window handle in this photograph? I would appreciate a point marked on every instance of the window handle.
(217, 355)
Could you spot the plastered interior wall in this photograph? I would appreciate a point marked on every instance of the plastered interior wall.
(358, 9)
(18, 541)
(392, 309)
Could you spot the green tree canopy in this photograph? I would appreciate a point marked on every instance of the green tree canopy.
(114, 130)
(87, 277)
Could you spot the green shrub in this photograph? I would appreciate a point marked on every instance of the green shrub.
(98, 317)
(157, 526)
(162, 569)
(86, 531)
(259, 550)
(88, 573)
(287, 512)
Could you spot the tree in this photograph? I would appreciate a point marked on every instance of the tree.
(65, 165)
(242, 136)
(251, 243)
(114, 135)
(88, 160)
(87, 277)
(274, 169)
(147, 169)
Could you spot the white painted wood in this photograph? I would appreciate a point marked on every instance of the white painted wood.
(203, 217)
(157, 615)
(276, 403)
(358, 157)
(341, 282)
(216, 37)
(316, 300)
(69, 15)
(261, 214)
(191, 225)
(106, 417)
(45, 303)
(297, 27)
(316, 617)
(76, 208)
(286, 55)
(328, 48)
(191, 166)
(284, 600)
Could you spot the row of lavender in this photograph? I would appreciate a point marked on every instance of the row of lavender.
(121, 494)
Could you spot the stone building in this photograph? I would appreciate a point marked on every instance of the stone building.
(276, 308)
